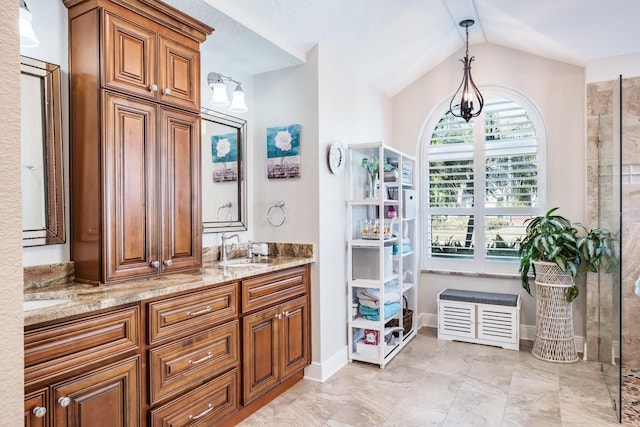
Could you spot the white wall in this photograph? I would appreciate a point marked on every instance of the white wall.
(209, 63)
(351, 111)
(611, 68)
(11, 333)
(51, 27)
(558, 90)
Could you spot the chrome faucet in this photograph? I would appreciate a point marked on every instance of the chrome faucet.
(224, 237)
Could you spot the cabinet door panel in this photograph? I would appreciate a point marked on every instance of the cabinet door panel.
(179, 69)
(129, 57)
(295, 337)
(37, 399)
(261, 358)
(180, 190)
(129, 177)
(107, 397)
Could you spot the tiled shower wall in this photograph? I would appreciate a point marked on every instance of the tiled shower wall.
(603, 127)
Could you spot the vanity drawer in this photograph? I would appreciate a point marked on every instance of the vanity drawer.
(54, 350)
(204, 406)
(179, 365)
(179, 316)
(273, 288)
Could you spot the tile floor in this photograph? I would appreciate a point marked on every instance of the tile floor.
(444, 383)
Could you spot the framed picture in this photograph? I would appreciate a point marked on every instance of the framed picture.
(283, 152)
(224, 155)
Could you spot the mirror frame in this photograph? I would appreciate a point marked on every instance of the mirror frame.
(241, 127)
(51, 115)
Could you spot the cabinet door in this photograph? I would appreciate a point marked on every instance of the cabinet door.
(129, 188)
(34, 405)
(261, 358)
(129, 57)
(180, 178)
(107, 397)
(295, 337)
(179, 75)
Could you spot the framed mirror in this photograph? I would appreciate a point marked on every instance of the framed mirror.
(223, 172)
(41, 139)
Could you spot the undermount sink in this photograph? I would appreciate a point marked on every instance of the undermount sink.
(244, 262)
(42, 303)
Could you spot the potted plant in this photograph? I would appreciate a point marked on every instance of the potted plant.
(555, 239)
(372, 167)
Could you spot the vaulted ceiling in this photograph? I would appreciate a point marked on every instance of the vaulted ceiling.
(392, 43)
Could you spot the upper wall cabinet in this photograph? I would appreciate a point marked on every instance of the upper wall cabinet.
(150, 64)
(135, 139)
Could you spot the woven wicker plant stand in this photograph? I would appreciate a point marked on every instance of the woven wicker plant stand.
(554, 320)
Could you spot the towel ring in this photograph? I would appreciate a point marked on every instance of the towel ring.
(226, 206)
(279, 205)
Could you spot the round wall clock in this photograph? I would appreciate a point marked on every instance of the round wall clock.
(337, 157)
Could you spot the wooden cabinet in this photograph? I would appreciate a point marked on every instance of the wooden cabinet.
(35, 409)
(276, 345)
(135, 139)
(193, 356)
(277, 337)
(151, 182)
(84, 371)
(106, 397)
(143, 62)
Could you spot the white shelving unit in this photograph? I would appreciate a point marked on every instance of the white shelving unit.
(382, 253)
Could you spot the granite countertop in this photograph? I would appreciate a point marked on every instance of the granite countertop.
(83, 298)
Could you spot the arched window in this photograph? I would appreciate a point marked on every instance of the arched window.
(481, 180)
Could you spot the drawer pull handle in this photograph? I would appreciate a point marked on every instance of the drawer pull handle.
(202, 359)
(39, 411)
(64, 401)
(201, 414)
(198, 313)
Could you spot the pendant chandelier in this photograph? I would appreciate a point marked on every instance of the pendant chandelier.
(461, 104)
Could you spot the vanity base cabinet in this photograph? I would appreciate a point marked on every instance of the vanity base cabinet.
(276, 334)
(85, 371)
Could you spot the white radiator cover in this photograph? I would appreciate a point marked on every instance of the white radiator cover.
(489, 324)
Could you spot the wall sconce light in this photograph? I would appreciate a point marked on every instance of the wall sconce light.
(220, 98)
(461, 104)
(27, 35)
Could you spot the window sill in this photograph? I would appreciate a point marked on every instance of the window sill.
(471, 274)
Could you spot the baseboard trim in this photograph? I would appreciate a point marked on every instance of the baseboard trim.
(322, 371)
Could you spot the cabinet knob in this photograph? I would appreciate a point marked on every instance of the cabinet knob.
(167, 262)
(155, 264)
(153, 88)
(278, 316)
(286, 313)
(166, 91)
(39, 411)
(64, 401)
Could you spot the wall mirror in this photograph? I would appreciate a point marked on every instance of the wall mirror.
(41, 139)
(223, 172)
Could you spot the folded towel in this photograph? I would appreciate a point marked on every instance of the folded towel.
(369, 313)
(391, 293)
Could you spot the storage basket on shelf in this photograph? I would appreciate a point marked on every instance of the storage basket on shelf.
(407, 318)
(554, 340)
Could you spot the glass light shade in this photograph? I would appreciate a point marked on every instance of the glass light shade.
(237, 102)
(219, 97)
(27, 35)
